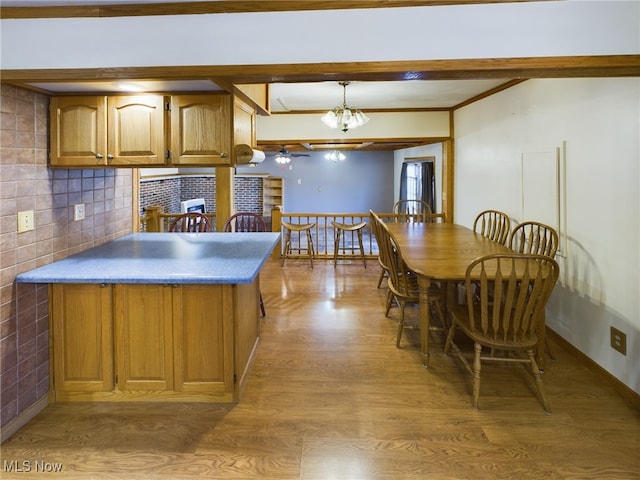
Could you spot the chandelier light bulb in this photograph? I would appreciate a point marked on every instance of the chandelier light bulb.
(344, 117)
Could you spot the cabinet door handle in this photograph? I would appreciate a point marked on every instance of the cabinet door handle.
(99, 156)
(223, 155)
(109, 157)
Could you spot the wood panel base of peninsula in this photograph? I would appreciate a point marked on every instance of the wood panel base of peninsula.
(148, 342)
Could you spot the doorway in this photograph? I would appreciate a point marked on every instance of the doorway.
(418, 180)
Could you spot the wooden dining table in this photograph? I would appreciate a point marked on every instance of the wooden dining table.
(438, 252)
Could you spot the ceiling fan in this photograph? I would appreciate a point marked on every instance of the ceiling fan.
(284, 156)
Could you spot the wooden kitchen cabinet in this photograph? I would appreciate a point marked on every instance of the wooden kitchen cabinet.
(100, 131)
(244, 123)
(136, 130)
(201, 129)
(148, 342)
(82, 338)
(201, 329)
(143, 337)
(148, 130)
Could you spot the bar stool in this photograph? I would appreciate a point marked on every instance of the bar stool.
(292, 227)
(345, 227)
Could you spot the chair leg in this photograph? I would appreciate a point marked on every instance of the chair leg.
(390, 298)
(310, 247)
(287, 246)
(364, 260)
(400, 325)
(476, 374)
(436, 303)
(449, 341)
(539, 385)
(381, 277)
(336, 247)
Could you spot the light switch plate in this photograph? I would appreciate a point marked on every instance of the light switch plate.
(78, 212)
(25, 221)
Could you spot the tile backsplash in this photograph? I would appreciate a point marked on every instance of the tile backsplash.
(27, 183)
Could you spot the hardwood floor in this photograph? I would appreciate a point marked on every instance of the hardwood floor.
(331, 397)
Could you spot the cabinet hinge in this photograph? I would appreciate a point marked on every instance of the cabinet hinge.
(167, 154)
(167, 106)
(235, 379)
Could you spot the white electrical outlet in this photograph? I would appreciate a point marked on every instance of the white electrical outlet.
(78, 212)
(25, 221)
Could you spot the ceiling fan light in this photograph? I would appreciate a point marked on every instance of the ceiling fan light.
(335, 155)
(282, 159)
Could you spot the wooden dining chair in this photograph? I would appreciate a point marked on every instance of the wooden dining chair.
(494, 225)
(534, 237)
(402, 282)
(509, 321)
(247, 222)
(191, 222)
(384, 272)
(409, 211)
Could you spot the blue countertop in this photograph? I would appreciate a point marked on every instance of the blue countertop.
(175, 258)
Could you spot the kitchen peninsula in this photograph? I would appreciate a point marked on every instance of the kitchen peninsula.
(155, 317)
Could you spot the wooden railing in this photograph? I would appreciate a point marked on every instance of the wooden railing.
(322, 234)
(155, 220)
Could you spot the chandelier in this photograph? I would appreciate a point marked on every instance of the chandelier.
(344, 117)
(335, 155)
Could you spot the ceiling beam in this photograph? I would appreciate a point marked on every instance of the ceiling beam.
(457, 69)
(216, 7)
(361, 144)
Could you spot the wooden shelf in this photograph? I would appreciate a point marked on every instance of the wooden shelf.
(272, 194)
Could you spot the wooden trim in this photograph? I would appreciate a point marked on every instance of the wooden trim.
(353, 144)
(216, 7)
(630, 396)
(135, 197)
(369, 110)
(488, 93)
(448, 177)
(458, 69)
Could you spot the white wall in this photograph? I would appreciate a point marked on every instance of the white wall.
(314, 184)
(381, 125)
(594, 124)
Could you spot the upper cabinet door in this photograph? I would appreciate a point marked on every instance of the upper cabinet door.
(244, 123)
(201, 129)
(78, 133)
(136, 130)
